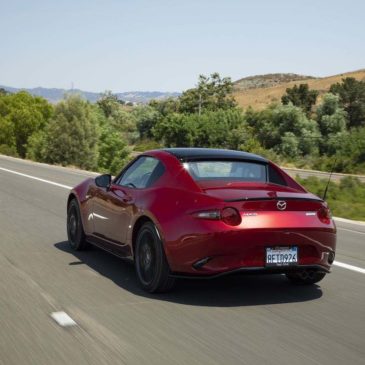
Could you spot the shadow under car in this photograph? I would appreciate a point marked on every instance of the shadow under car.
(227, 291)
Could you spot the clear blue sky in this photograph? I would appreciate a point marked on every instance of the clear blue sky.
(124, 45)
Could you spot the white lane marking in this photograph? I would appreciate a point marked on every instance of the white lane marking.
(63, 319)
(350, 221)
(37, 178)
(350, 230)
(70, 170)
(349, 267)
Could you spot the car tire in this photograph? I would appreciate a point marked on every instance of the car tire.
(152, 268)
(305, 277)
(75, 230)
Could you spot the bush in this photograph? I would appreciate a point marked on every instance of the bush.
(21, 115)
(113, 152)
(72, 134)
(8, 150)
(222, 128)
(346, 199)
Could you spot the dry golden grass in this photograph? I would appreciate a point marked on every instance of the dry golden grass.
(261, 97)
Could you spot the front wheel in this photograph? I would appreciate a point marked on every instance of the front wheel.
(306, 277)
(152, 268)
(75, 230)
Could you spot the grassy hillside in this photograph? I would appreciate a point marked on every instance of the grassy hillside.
(259, 91)
(345, 198)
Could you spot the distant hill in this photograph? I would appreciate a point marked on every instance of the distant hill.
(256, 91)
(259, 91)
(268, 80)
(55, 95)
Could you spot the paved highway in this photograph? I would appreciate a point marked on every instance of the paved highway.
(320, 174)
(233, 320)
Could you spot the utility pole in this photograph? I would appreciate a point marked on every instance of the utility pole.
(200, 103)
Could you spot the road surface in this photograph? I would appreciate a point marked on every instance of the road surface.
(232, 320)
(320, 174)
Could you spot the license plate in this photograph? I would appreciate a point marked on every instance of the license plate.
(281, 256)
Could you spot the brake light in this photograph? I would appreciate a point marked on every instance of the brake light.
(324, 215)
(228, 215)
(231, 216)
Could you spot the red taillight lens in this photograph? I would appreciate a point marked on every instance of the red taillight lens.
(324, 215)
(228, 215)
(231, 216)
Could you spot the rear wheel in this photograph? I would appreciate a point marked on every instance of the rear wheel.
(306, 277)
(75, 230)
(150, 261)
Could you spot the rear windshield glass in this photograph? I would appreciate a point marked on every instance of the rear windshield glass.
(226, 170)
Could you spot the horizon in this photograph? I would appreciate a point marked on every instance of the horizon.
(142, 45)
(165, 91)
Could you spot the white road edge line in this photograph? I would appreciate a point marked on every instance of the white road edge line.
(63, 319)
(37, 178)
(336, 263)
(350, 221)
(350, 230)
(349, 267)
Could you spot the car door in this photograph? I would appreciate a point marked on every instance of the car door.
(114, 207)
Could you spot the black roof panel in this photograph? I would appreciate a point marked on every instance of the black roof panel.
(211, 153)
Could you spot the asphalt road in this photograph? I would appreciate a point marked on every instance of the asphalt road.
(320, 174)
(232, 320)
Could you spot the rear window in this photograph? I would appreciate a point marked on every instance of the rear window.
(226, 170)
(275, 177)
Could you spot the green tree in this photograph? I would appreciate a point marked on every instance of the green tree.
(72, 134)
(176, 130)
(212, 93)
(146, 118)
(277, 126)
(300, 96)
(108, 102)
(113, 152)
(120, 119)
(352, 99)
(165, 106)
(332, 122)
(289, 145)
(3, 91)
(222, 128)
(350, 152)
(330, 116)
(22, 114)
(36, 146)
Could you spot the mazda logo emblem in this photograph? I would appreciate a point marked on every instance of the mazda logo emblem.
(281, 205)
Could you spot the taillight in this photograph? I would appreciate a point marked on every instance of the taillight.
(324, 215)
(231, 216)
(228, 215)
(208, 214)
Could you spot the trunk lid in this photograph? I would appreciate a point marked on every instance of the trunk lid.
(262, 197)
(271, 206)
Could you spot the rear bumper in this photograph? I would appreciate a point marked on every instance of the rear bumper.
(255, 271)
(219, 253)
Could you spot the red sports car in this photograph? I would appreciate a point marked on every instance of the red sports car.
(196, 212)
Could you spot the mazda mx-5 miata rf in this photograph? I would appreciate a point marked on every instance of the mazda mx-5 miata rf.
(195, 212)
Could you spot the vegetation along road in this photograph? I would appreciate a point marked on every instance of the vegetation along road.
(233, 320)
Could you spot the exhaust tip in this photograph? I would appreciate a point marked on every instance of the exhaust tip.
(331, 258)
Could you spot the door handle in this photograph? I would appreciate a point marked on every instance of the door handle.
(121, 194)
(127, 199)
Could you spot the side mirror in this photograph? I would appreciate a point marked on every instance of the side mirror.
(103, 181)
